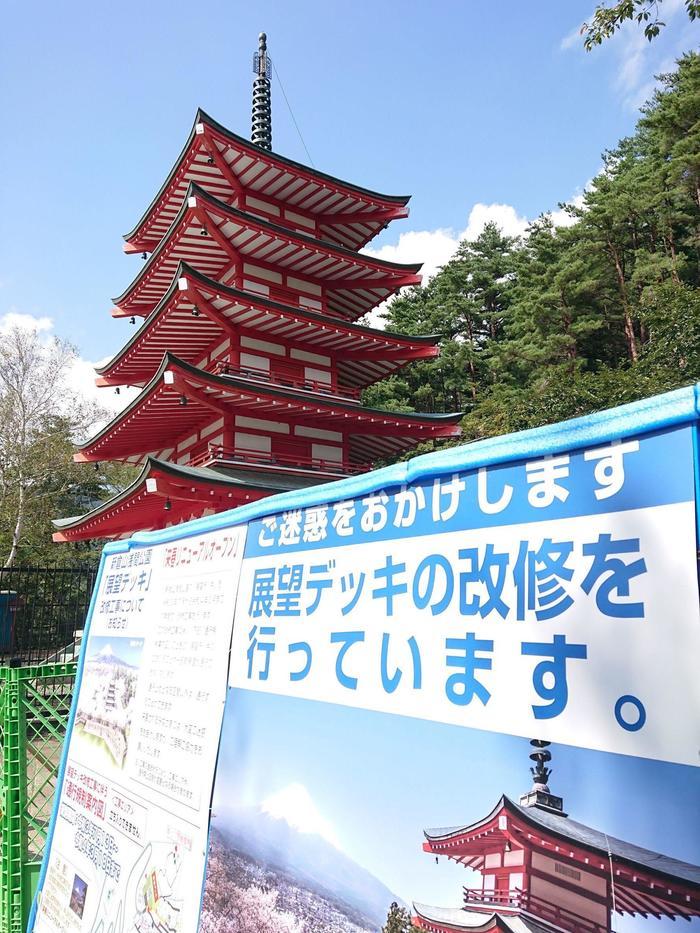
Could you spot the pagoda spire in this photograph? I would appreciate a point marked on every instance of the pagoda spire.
(262, 108)
(540, 795)
(540, 773)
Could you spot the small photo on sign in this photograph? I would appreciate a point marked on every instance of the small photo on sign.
(105, 706)
(78, 895)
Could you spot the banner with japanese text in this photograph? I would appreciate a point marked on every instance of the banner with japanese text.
(129, 839)
(526, 598)
(402, 659)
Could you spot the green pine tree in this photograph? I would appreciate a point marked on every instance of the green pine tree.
(398, 920)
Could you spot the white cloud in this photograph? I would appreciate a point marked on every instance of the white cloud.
(561, 218)
(504, 216)
(633, 79)
(295, 805)
(434, 248)
(80, 378)
(15, 318)
(638, 61)
(571, 39)
(431, 247)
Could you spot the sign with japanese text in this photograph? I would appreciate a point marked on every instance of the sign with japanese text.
(129, 841)
(508, 654)
(527, 598)
(465, 702)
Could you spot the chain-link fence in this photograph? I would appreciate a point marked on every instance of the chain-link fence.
(41, 610)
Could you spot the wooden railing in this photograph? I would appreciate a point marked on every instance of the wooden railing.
(513, 898)
(217, 453)
(282, 374)
(479, 899)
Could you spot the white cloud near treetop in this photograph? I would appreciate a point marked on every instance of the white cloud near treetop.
(80, 378)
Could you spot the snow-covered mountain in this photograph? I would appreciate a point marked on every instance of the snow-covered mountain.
(107, 657)
(307, 859)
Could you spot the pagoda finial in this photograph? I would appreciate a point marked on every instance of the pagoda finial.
(540, 773)
(262, 107)
(539, 795)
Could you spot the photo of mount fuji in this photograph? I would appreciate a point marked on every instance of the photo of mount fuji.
(282, 846)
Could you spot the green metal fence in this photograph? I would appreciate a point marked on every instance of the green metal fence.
(34, 707)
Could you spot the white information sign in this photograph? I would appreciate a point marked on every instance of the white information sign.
(131, 827)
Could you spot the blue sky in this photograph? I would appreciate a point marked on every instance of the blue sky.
(375, 781)
(477, 109)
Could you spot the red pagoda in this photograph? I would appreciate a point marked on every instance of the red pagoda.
(249, 358)
(543, 872)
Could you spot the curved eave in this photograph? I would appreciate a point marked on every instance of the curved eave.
(319, 322)
(95, 523)
(136, 403)
(448, 418)
(418, 426)
(250, 221)
(311, 316)
(579, 836)
(457, 920)
(259, 153)
(443, 833)
(147, 324)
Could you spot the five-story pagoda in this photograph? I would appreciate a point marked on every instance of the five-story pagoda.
(248, 357)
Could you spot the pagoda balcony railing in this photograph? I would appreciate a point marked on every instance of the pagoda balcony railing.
(478, 896)
(289, 377)
(480, 899)
(243, 456)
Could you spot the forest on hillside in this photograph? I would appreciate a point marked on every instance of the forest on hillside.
(570, 320)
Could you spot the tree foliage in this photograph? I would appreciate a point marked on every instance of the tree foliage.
(606, 20)
(398, 920)
(40, 419)
(572, 319)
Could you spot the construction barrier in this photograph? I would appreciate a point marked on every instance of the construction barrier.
(34, 706)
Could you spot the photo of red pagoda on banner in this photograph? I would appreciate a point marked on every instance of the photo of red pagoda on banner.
(542, 870)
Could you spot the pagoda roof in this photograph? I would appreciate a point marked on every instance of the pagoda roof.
(364, 354)
(603, 844)
(353, 283)
(568, 830)
(141, 505)
(232, 167)
(646, 882)
(148, 423)
(450, 919)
